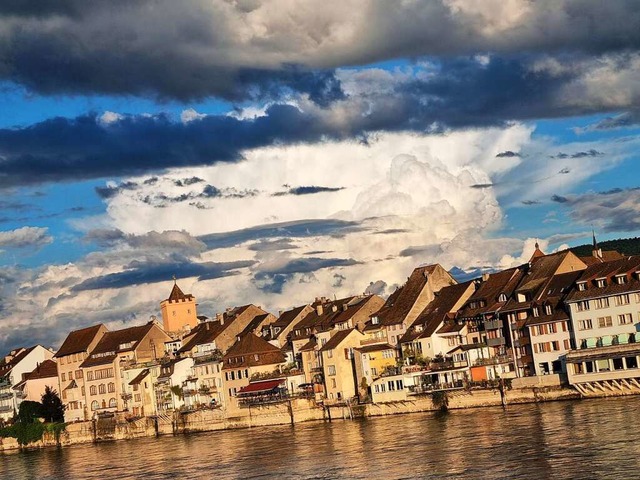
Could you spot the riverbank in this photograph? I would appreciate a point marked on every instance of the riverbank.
(291, 412)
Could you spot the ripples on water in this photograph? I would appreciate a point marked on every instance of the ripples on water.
(563, 440)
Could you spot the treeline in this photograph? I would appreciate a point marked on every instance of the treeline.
(626, 246)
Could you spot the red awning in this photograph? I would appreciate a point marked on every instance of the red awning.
(258, 387)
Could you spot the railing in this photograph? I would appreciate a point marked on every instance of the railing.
(496, 342)
(493, 360)
(492, 324)
(446, 365)
(6, 408)
(434, 387)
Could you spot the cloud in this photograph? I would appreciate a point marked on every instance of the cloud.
(588, 153)
(378, 287)
(507, 154)
(227, 50)
(616, 210)
(310, 190)
(138, 273)
(530, 202)
(25, 237)
(623, 120)
(559, 199)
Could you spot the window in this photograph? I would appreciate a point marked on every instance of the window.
(555, 346)
(567, 345)
(548, 310)
(391, 384)
(102, 388)
(226, 376)
(625, 319)
(374, 371)
(601, 282)
(333, 383)
(582, 306)
(536, 312)
(399, 385)
(137, 397)
(232, 375)
(502, 297)
(329, 353)
(582, 286)
(78, 374)
(93, 390)
(585, 324)
(113, 403)
(621, 279)
(604, 322)
(246, 373)
(70, 375)
(622, 299)
(64, 377)
(331, 369)
(602, 302)
(112, 387)
(94, 405)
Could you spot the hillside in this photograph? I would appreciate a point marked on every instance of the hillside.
(626, 246)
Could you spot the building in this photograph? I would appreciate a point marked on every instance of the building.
(139, 396)
(605, 316)
(74, 350)
(175, 384)
(404, 306)
(278, 332)
(34, 383)
(371, 361)
(103, 369)
(250, 358)
(338, 363)
(179, 314)
(13, 366)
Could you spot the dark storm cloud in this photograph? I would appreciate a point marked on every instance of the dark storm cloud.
(464, 93)
(297, 229)
(187, 181)
(559, 199)
(161, 200)
(81, 47)
(310, 190)
(111, 191)
(138, 273)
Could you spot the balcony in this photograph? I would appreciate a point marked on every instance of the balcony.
(521, 342)
(496, 342)
(493, 324)
(497, 360)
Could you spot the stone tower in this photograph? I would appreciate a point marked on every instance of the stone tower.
(178, 311)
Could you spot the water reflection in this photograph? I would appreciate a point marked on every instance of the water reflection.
(564, 440)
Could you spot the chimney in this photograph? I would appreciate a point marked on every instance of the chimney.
(344, 307)
(208, 325)
(485, 277)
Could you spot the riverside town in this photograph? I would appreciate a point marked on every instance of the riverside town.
(559, 326)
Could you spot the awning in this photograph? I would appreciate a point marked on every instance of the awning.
(260, 387)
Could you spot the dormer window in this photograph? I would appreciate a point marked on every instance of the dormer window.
(601, 282)
(582, 286)
(536, 312)
(548, 310)
(502, 297)
(620, 279)
(375, 320)
(522, 297)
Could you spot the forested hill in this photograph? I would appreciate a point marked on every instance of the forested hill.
(626, 246)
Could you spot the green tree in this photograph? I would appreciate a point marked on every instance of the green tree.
(29, 411)
(52, 406)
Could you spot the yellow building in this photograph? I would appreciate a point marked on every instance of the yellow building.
(371, 362)
(76, 348)
(178, 312)
(338, 364)
(249, 358)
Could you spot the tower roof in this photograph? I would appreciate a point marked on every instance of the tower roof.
(537, 253)
(177, 294)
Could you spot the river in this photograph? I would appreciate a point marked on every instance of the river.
(559, 440)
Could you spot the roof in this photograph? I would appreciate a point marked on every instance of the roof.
(607, 270)
(251, 351)
(139, 377)
(78, 341)
(20, 353)
(116, 342)
(310, 345)
(203, 333)
(46, 369)
(177, 294)
(400, 303)
(607, 256)
(262, 387)
(486, 296)
(336, 340)
(378, 347)
(436, 312)
(289, 316)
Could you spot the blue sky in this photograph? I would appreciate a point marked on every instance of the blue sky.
(269, 154)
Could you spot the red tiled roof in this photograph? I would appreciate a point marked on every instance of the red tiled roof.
(336, 340)
(244, 352)
(78, 341)
(115, 342)
(46, 369)
(203, 333)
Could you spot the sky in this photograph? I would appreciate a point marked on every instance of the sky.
(271, 152)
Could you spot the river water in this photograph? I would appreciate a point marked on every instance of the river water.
(563, 440)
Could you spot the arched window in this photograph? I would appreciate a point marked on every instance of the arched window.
(93, 390)
(94, 404)
(113, 403)
(102, 389)
(112, 387)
